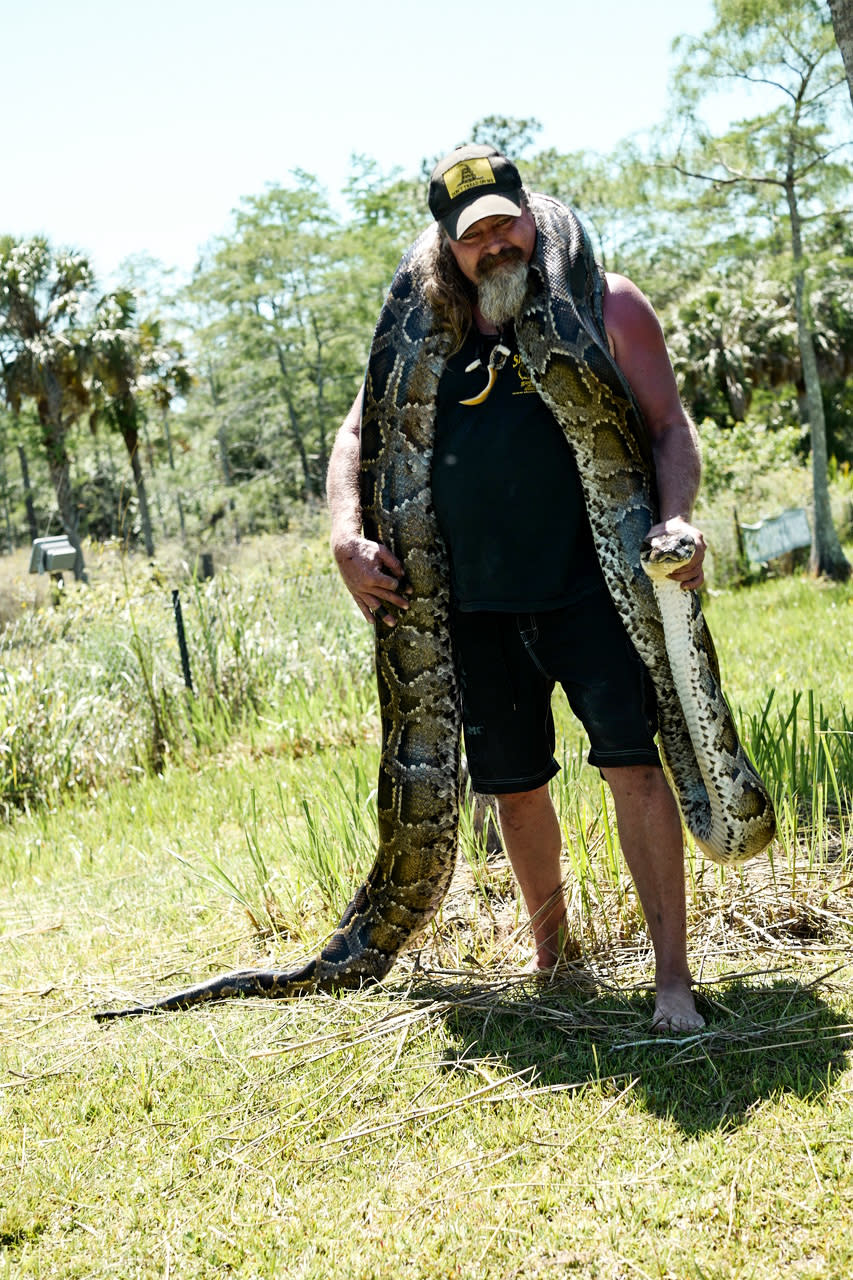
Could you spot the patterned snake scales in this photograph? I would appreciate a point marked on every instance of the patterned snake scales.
(562, 342)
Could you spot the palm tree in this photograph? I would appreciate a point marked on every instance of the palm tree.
(117, 365)
(131, 359)
(43, 355)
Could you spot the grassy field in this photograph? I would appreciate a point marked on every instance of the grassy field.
(461, 1121)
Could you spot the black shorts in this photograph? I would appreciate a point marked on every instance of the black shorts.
(508, 664)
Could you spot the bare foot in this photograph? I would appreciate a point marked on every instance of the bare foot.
(675, 1010)
(539, 965)
(564, 969)
(548, 959)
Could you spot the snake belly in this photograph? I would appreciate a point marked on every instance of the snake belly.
(733, 786)
(562, 341)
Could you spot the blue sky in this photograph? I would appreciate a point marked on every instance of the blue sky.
(136, 128)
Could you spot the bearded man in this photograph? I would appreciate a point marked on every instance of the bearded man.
(529, 604)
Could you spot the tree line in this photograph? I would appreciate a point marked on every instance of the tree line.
(233, 388)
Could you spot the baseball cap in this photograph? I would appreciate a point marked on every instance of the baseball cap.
(473, 182)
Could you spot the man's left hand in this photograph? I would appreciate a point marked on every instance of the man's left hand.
(691, 575)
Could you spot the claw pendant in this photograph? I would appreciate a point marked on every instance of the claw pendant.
(496, 363)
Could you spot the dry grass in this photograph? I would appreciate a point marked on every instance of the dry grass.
(463, 1118)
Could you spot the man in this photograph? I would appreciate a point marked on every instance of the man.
(529, 604)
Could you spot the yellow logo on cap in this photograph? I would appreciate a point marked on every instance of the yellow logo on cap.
(468, 174)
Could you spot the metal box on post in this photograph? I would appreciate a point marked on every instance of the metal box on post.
(52, 555)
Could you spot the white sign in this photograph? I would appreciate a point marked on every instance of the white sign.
(773, 537)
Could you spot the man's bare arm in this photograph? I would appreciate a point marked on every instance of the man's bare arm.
(369, 570)
(640, 351)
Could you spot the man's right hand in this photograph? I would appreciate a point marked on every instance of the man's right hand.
(373, 577)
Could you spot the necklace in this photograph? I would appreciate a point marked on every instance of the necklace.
(497, 359)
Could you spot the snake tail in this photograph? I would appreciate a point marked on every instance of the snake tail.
(398, 899)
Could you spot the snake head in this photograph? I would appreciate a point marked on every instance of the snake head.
(660, 555)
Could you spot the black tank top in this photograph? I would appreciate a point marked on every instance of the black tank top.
(506, 490)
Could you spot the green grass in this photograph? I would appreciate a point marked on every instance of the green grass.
(461, 1121)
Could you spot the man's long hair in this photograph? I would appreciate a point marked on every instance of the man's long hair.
(446, 290)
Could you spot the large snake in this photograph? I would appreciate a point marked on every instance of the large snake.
(562, 341)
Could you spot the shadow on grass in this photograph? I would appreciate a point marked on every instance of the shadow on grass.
(762, 1041)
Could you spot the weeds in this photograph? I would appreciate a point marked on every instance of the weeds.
(806, 759)
(94, 692)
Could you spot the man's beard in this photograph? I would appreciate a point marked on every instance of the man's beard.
(502, 286)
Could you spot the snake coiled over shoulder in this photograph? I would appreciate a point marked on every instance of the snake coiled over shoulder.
(562, 341)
